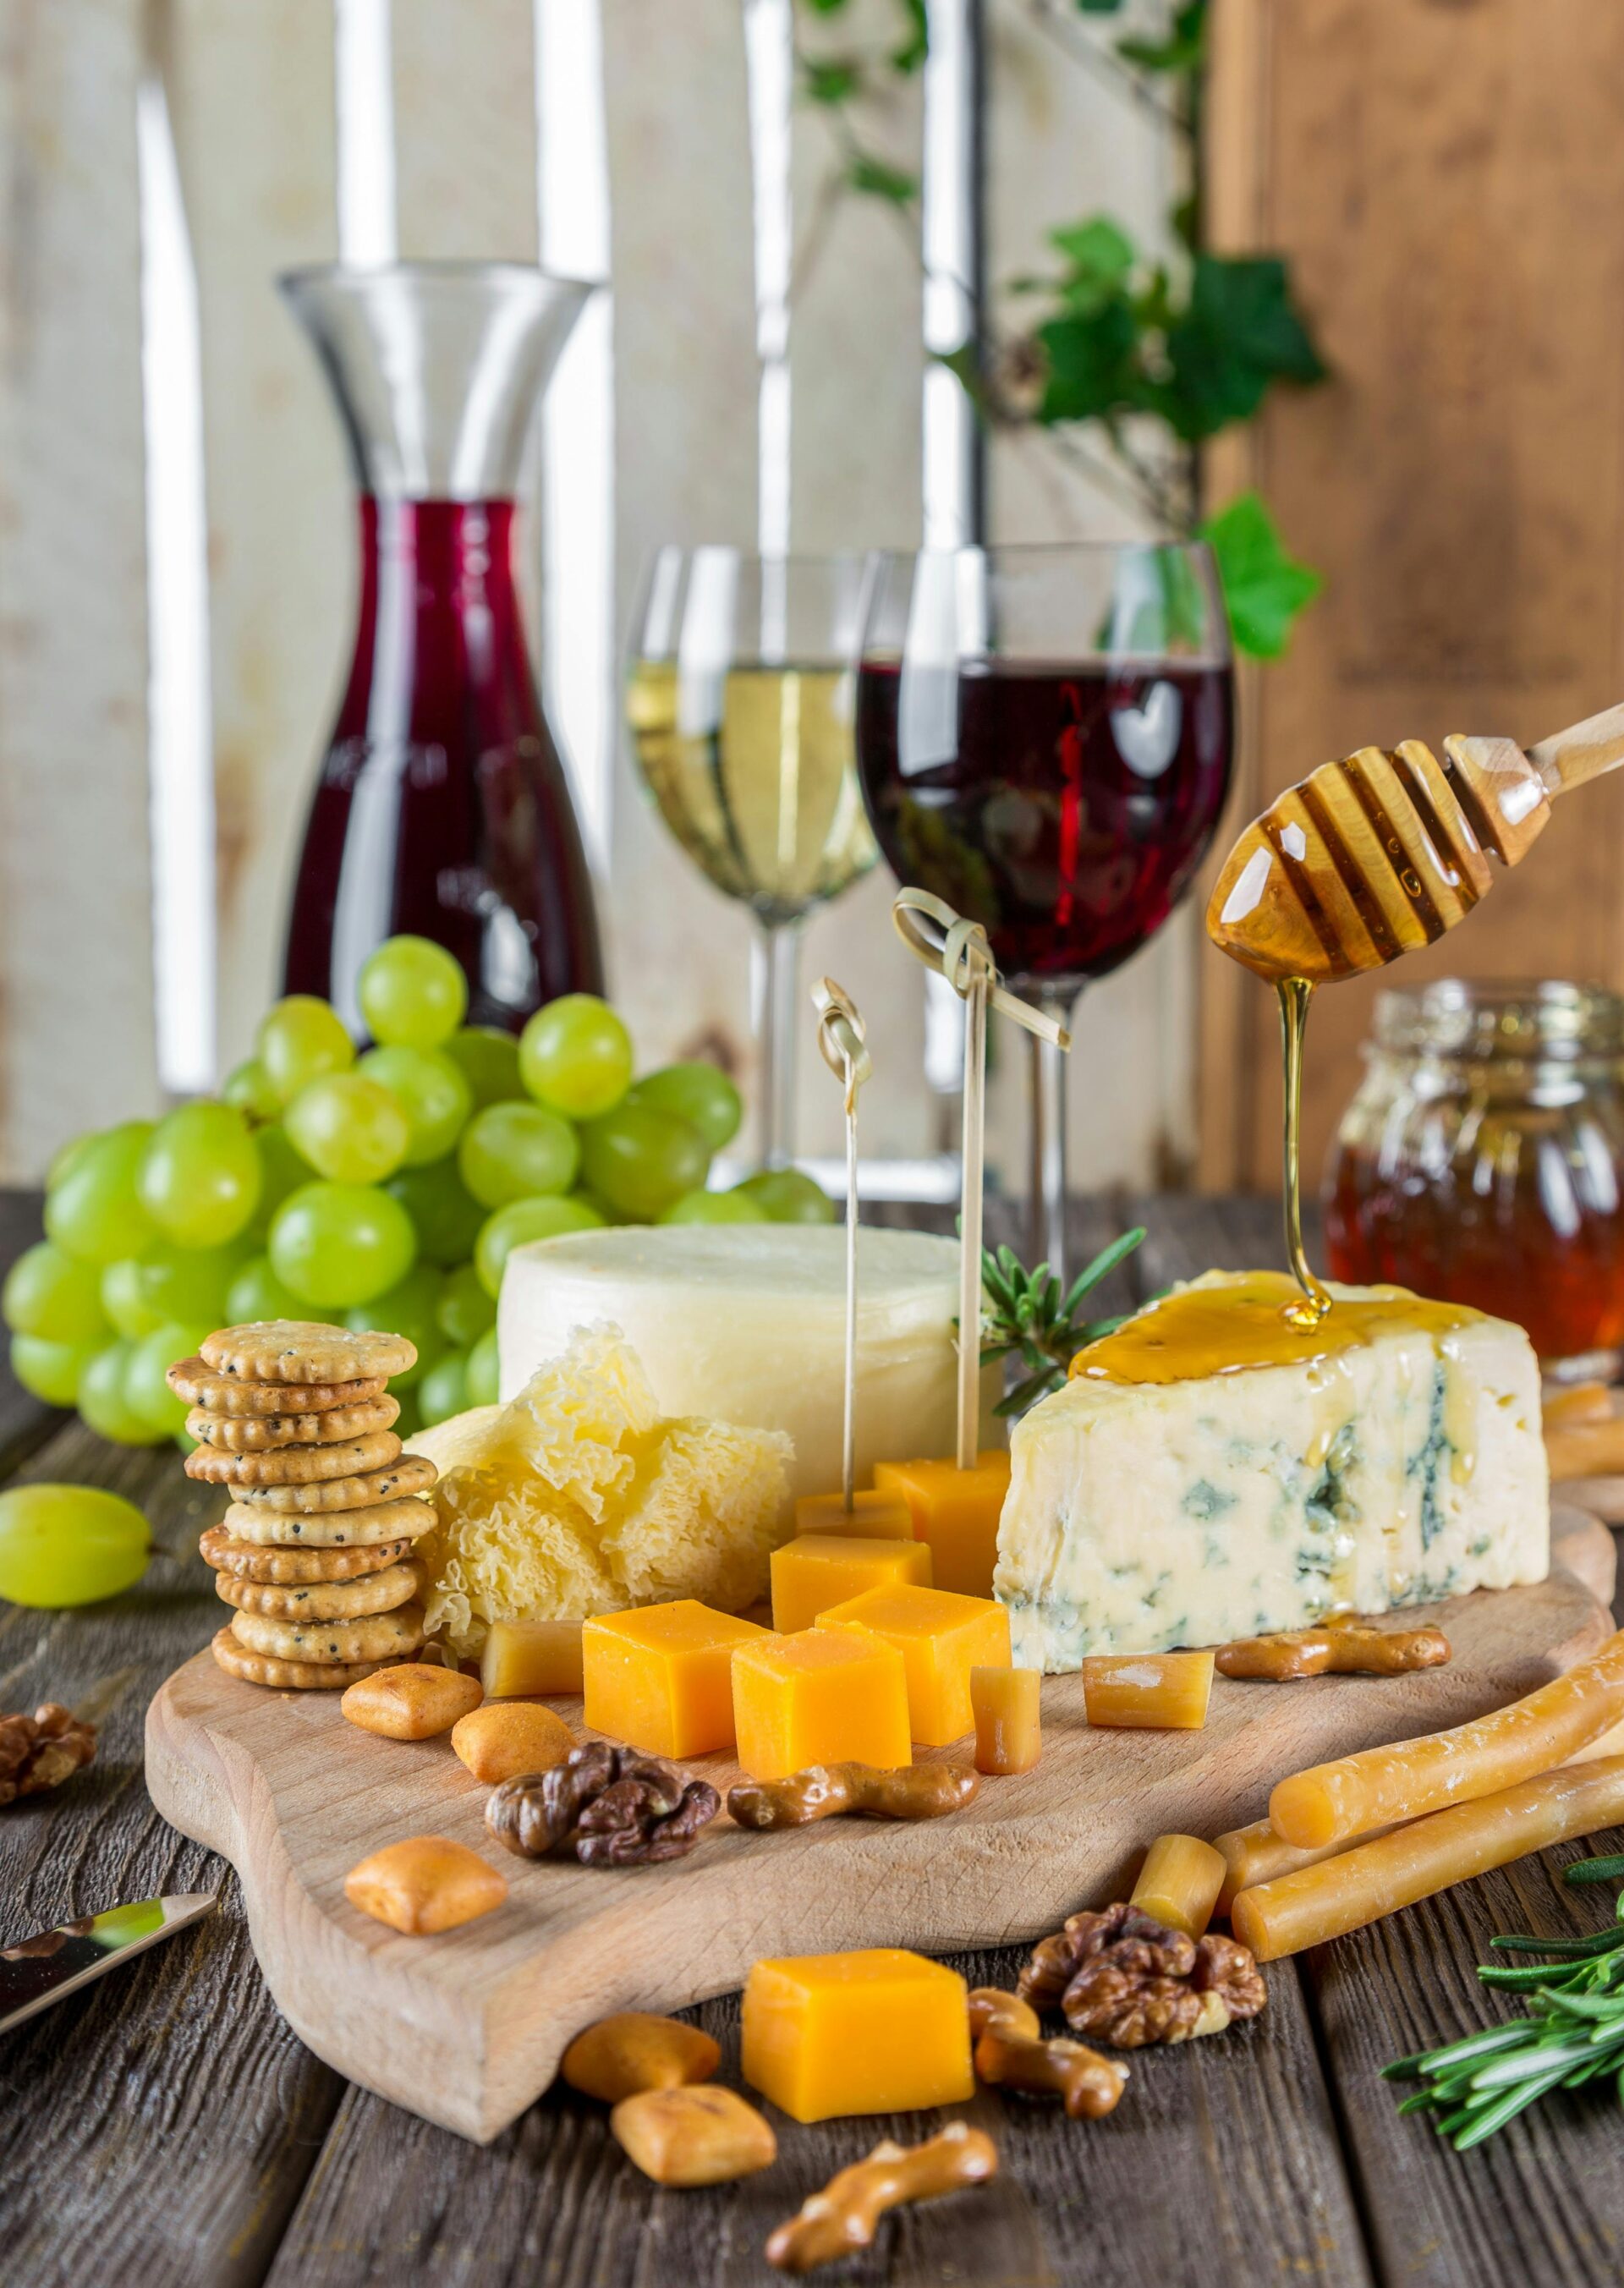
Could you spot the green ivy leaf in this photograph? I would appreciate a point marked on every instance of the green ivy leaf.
(1263, 588)
(833, 80)
(826, 7)
(1091, 370)
(1100, 256)
(915, 45)
(1240, 332)
(1184, 49)
(1099, 7)
(876, 180)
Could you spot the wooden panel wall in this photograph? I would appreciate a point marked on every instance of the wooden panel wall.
(1449, 181)
(76, 1029)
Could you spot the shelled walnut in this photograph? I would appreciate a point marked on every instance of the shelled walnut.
(606, 1806)
(39, 1752)
(1130, 1980)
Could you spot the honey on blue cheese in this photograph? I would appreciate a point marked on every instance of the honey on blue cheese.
(1213, 1470)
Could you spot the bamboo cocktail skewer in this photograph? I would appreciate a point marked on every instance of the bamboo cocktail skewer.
(1381, 853)
(842, 1039)
(935, 935)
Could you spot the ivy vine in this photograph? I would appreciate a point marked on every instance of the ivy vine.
(1130, 362)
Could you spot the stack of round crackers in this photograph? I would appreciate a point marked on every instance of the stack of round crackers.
(314, 1552)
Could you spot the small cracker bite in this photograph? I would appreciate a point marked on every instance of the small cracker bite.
(322, 1600)
(194, 1380)
(252, 1560)
(411, 1475)
(285, 1675)
(380, 1636)
(258, 1525)
(284, 1468)
(304, 1350)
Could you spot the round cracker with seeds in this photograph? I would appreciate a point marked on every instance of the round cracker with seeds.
(380, 1636)
(322, 1600)
(405, 1519)
(267, 1561)
(411, 1475)
(194, 1380)
(287, 1675)
(304, 1350)
(260, 1434)
(290, 1466)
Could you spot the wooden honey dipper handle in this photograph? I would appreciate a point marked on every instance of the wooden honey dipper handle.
(1587, 750)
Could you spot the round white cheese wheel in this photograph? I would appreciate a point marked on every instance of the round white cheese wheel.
(746, 1323)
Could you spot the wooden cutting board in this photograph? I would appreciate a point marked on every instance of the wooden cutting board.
(466, 2028)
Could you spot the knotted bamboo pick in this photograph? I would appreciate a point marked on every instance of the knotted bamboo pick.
(842, 1037)
(935, 935)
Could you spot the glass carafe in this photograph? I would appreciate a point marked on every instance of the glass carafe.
(441, 805)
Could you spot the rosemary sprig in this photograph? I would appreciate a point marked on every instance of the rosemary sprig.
(1026, 1313)
(1573, 2031)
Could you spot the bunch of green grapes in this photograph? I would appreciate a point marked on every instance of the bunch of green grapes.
(384, 1190)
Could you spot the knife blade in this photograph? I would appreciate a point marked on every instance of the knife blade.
(38, 1971)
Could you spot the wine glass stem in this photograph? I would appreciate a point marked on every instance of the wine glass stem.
(777, 986)
(1047, 1232)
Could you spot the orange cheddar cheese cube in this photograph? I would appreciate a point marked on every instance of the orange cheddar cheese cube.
(817, 1571)
(872, 1517)
(957, 1511)
(878, 2032)
(941, 1636)
(660, 1676)
(819, 1696)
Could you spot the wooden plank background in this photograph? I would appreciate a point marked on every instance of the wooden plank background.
(1448, 190)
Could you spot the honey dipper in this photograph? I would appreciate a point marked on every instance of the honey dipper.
(1371, 856)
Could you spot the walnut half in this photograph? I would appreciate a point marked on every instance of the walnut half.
(1125, 1979)
(40, 1751)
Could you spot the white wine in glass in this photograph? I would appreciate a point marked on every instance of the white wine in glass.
(740, 701)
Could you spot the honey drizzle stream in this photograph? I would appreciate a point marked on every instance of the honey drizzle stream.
(1295, 994)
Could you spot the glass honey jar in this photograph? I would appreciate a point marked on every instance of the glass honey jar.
(1482, 1160)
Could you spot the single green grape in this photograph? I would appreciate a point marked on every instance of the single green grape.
(300, 1039)
(145, 1391)
(409, 1308)
(257, 1293)
(67, 1155)
(464, 1310)
(446, 1218)
(431, 1091)
(200, 1177)
(488, 1060)
(52, 1294)
(642, 1160)
(50, 1372)
(69, 1545)
(248, 1087)
(350, 1129)
(575, 1057)
(412, 993)
(789, 1195)
(339, 1244)
(281, 1171)
(94, 1210)
(123, 1304)
(517, 1152)
(104, 1401)
(444, 1390)
(700, 1093)
(185, 1283)
(519, 1221)
(600, 1207)
(482, 1378)
(715, 1207)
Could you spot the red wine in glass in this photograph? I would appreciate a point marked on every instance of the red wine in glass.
(442, 806)
(1063, 807)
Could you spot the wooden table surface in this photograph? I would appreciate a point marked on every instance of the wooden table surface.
(164, 2127)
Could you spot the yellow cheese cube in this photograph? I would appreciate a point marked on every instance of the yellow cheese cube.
(1150, 1691)
(878, 2032)
(873, 1516)
(957, 1511)
(522, 1657)
(941, 1636)
(819, 1570)
(660, 1678)
(821, 1697)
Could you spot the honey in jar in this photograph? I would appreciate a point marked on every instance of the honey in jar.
(1482, 1159)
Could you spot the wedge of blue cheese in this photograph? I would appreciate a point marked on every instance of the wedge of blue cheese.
(1211, 1471)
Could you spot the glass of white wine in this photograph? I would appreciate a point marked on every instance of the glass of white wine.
(740, 701)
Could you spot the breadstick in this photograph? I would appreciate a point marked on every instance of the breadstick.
(1255, 1855)
(1580, 1401)
(1359, 1886)
(1380, 1785)
(1586, 1449)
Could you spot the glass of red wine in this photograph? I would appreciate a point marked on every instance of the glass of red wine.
(1043, 739)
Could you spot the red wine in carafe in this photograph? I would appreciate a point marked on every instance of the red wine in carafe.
(1065, 808)
(442, 806)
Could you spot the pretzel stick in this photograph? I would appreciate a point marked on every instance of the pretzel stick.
(843, 2216)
